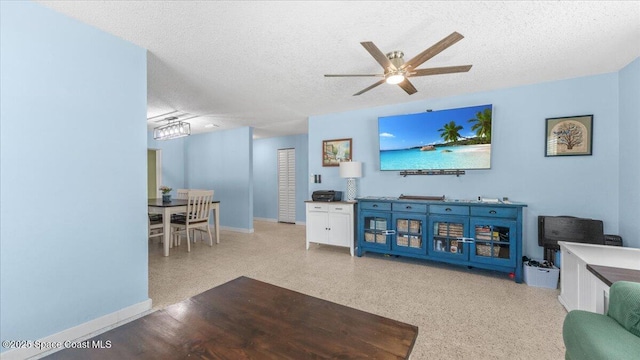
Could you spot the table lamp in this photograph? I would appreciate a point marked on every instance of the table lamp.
(351, 170)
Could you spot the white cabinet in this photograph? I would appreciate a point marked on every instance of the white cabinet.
(330, 223)
(579, 288)
(572, 266)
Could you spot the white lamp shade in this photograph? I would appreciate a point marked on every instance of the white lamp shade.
(350, 169)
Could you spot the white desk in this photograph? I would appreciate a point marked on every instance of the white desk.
(580, 288)
(176, 206)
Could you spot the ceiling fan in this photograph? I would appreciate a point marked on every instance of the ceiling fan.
(397, 71)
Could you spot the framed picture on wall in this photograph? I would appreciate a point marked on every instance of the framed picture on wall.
(569, 136)
(335, 151)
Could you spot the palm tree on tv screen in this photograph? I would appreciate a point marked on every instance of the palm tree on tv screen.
(450, 132)
(482, 125)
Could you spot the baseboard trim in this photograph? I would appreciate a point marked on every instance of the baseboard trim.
(265, 219)
(276, 220)
(251, 231)
(241, 230)
(83, 331)
(563, 303)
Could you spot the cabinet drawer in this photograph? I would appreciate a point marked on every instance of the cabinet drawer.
(375, 206)
(489, 211)
(340, 208)
(417, 208)
(449, 209)
(317, 207)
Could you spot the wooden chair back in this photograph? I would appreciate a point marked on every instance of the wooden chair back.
(182, 194)
(199, 205)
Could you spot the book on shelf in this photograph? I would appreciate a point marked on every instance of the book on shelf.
(488, 234)
(488, 237)
(378, 224)
(451, 230)
(454, 234)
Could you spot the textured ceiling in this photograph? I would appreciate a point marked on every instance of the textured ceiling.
(261, 63)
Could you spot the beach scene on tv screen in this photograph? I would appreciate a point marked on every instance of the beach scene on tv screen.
(437, 140)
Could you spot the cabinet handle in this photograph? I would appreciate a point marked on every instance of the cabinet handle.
(374, 205)
(447, 209)
(408, 207)
(492, 212)
(338, 208)
(317, 207)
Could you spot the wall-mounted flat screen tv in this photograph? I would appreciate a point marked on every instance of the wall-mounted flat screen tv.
(452, 139)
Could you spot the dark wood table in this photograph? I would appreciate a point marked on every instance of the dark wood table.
(609, 274)
(250, 319)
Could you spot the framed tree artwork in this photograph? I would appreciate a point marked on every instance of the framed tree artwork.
(335, 151)
(569, 136)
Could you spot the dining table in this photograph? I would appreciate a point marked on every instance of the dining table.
(174, 206)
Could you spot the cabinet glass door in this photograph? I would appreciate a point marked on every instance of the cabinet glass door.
(494, 241)
(410, 233)
(377, 229)
(447, 236)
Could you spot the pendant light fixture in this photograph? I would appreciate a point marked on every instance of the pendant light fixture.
(175, 127)
(173, 130)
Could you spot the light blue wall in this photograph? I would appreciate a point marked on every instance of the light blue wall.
(629, 174)
(173, 161)
(583, 186)
(73, 234)
(265, 172)
(223, 161)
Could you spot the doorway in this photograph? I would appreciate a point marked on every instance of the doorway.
(154, 173)
(287, 185)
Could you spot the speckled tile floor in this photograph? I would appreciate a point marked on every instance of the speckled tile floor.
(460, 313)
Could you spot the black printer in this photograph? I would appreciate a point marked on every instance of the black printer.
(326, 195)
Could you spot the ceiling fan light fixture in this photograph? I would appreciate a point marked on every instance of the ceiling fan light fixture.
(398, 72)
(395, 79)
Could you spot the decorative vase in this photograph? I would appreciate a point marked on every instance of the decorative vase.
(166, 198)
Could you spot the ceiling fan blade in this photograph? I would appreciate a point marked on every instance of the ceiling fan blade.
(369, 88)
(407, 86)
(433, 50)
(352, 75)
(380, 57)
(441, 70)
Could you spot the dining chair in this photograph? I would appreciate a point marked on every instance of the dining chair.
(154, 222)
(197, 216)
(182, 194)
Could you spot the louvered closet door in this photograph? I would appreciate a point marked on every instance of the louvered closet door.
(287, 185)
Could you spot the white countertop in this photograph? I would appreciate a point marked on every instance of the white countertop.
(613, 256)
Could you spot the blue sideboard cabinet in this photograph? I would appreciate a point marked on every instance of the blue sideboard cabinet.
(471, 233)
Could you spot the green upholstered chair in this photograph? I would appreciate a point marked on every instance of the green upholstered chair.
(591, 336)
